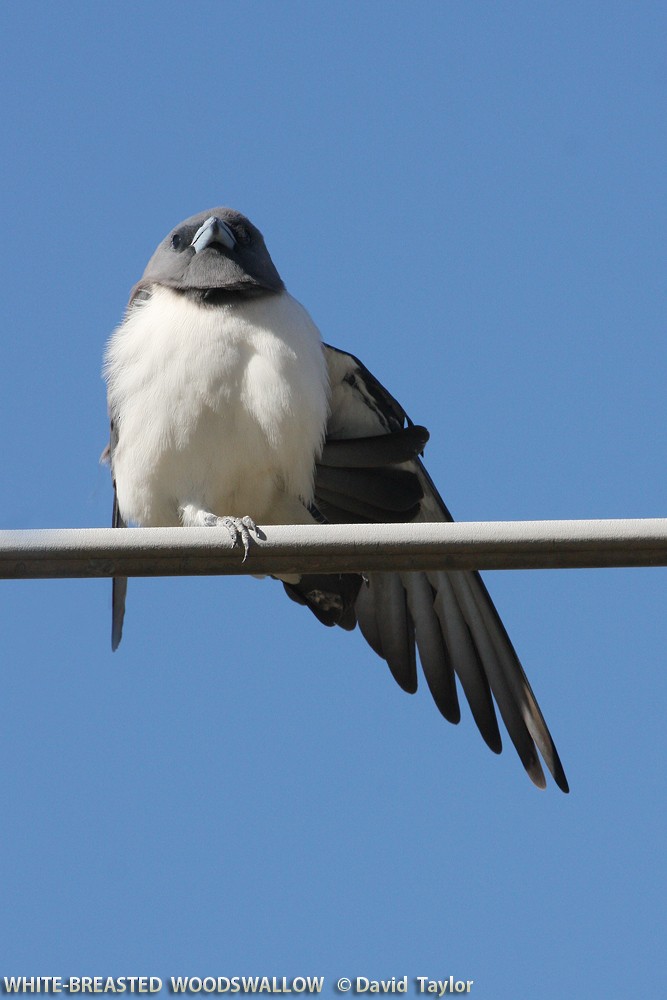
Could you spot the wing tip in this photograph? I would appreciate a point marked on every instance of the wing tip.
(450, 712)
(536, 774)
(493, 741)
(559, 776)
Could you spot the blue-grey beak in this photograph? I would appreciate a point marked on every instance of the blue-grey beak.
(214, 230)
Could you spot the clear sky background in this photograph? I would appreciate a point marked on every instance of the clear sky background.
(471, 198)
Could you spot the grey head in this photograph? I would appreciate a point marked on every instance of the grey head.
(216, 255)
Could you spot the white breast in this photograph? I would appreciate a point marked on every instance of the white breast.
(222, 407)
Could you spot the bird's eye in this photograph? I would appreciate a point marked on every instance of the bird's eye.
(242, 234)
(176, 241)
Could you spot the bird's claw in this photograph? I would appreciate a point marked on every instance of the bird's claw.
(238, 528)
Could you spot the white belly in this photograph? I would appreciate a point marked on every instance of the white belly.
(221, 407)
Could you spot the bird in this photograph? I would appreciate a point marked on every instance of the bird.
(228, 410)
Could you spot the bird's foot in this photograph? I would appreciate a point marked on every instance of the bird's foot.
(239, 528)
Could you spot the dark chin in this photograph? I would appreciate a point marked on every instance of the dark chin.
(227, 295)
(213, 269)
(212, 276)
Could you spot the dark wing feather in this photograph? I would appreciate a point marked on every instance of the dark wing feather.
(384, 618)
(374, 452)
(370, 470)
(391, 489)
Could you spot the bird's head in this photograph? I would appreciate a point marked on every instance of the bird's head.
(215, 253)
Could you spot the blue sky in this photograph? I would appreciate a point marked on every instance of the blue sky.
(471, 198)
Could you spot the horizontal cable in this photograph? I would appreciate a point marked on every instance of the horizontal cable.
(287, 549)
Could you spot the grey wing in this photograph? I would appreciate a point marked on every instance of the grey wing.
(370, 471)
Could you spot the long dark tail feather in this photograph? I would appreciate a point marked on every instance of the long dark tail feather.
(118, 587)
(118, 593)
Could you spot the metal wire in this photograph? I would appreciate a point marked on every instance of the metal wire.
(287, 549)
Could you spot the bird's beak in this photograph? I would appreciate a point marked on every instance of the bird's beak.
(214, 230)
